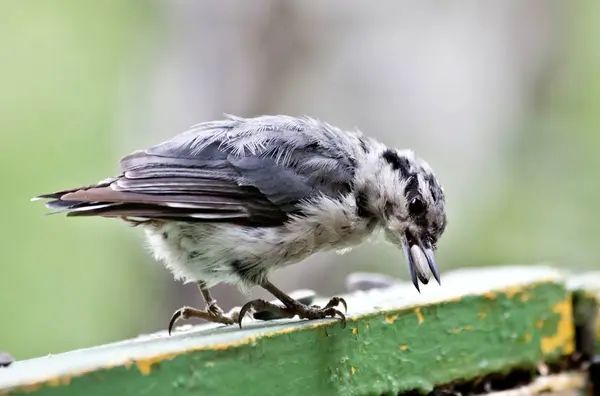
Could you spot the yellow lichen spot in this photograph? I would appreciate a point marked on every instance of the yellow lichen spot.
(367, 325)
(352, 370)
(58, 381)
(419, 315)
(513, 290)
(31, 387)
(145, 365)
(482, 315)
(354, 331)
(539, 324)
(209, 364)
(565, 332)
(455, 299)
(527, 337)
(526, 297)
(389, 319)
(404, 347)
(457, 330)
(490, 295)
(284, 331)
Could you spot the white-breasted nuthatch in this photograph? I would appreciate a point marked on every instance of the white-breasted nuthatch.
(232, 200)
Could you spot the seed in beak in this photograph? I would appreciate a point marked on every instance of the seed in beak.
(421, 265)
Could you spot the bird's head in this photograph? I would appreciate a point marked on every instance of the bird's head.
(405, 195)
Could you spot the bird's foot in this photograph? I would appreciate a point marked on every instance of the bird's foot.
(303, 311)
(213, 313)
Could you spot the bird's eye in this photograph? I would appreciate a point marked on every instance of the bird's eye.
(416, 207)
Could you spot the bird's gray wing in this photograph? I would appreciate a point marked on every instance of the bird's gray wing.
(214, 177)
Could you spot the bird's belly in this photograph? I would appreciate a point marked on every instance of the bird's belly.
(225, 253)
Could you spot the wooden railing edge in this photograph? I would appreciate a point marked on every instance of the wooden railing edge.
(480, 322)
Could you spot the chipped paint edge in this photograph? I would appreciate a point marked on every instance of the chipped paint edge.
(144, 365)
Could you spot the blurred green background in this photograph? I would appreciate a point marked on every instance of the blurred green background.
(502, 99)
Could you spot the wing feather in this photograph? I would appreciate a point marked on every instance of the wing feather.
(251, 171)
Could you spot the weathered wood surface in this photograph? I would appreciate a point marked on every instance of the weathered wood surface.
(586, 294)
(563, 384)
(480, 321)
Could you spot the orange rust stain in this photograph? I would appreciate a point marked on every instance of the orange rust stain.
(389, 319)
(404, 347)
(354, 331)
(482, 315)
(565, 331)
(490, 295)
(419, 315)
(352, 370)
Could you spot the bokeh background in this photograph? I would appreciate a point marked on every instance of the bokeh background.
(502, 99)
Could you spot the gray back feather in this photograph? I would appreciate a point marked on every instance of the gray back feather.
(251, 171)
(286, 158)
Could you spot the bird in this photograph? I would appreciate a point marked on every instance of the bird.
(232, 200)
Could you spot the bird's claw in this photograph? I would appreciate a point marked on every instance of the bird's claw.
(303, 311)
(213, 314)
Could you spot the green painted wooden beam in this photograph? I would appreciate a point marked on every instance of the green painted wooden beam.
(479, 321)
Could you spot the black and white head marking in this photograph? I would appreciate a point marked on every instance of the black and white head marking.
(411, 204)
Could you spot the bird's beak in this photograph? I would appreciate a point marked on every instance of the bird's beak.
(420, 259)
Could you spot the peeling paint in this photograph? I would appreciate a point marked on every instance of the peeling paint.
(563, 337)
(526, 297)
(419, 315)
(56, 382)
(511, 291)
(457, 330)
(145, 365)
(490, 295)
(565, 330)
(389, 319)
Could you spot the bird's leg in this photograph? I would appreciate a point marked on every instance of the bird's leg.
(293, 307)
(213, 312)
